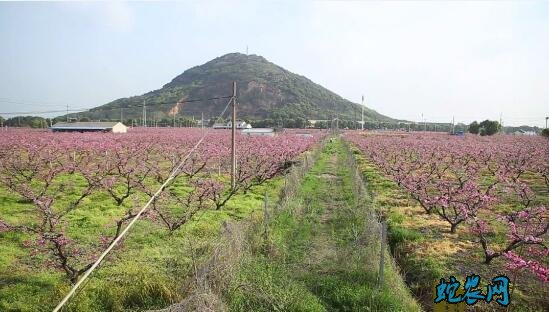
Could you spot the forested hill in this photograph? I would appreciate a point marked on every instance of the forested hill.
(265, 90)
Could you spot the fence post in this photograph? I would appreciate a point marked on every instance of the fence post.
(266, 213)
(382, 252)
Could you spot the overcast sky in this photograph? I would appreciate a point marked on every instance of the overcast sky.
(471, 60)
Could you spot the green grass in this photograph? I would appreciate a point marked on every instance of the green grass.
(426, 251)
(316, 256)
(268, 287)
(146, 272)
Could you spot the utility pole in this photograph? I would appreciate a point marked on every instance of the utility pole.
(453, 126)
(202, 123)
(144, 113)
(354, 119)
(382, 253)
(233, 137)
(500, 122)
(546, 118)
(362, 120)
(67, 112)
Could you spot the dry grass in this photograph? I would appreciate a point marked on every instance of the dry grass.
(428, 251)
(209, 282)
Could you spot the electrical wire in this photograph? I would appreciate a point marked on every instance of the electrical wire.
(103, 108)
(173, 175)
(116, 108)
(42, 112)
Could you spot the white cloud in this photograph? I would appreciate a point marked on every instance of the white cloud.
(119, 16)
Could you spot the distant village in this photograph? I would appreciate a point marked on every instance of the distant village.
(119, 127)
(259, 127)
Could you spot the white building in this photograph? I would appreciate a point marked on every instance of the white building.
(91, 126)
(259, 132)
(239, 125)
(524, 132)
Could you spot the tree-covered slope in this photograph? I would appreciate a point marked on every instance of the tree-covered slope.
(265, 90)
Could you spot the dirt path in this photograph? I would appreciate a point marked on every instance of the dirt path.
(331, 264)
(323, 248)
(319, 253)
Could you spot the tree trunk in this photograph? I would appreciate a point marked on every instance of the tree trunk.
(489, 258)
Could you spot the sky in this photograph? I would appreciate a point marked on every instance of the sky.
(443, 60)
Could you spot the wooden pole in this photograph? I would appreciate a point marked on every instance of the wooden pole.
(233, 137)
(202, 123)
(382, 253)
(266, 213)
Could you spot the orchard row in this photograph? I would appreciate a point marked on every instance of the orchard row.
(56, 173)
(467, 181)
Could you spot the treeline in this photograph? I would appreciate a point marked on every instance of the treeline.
(486, 127)
(26, 121)
(353, 124)
(41, 122)
(184, 121)
(491, 127)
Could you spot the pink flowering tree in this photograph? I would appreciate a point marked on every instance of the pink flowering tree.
(530, 261)
(54, 190)
(58, 173)
(461, 180)
(174, 209)
(524, 228)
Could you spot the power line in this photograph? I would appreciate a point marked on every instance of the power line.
(100, 108)
(117, 107)
(160, 103)
(42, 112)
(29, 102)
(173, 175)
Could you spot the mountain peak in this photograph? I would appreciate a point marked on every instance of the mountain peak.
(237, 56)
(265, 90)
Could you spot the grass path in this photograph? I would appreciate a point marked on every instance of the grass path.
(320, 254)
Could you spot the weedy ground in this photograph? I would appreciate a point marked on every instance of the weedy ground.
(426, 251)
(319, 253)
(146, 272)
